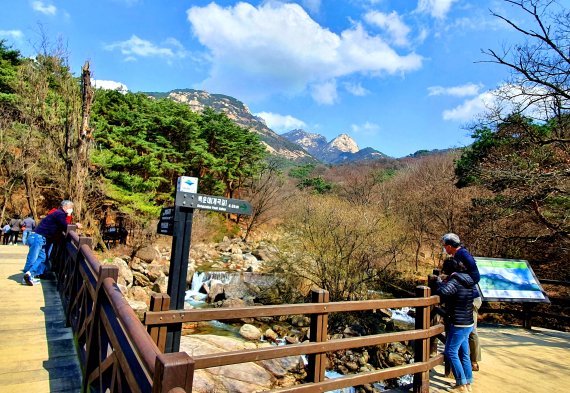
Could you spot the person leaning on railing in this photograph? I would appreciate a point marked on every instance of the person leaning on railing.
(456, 291)
(48, 230)
(453, 246)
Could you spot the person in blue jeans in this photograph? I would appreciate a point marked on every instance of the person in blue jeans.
(48, 231)
(453, 246)
(456, 291)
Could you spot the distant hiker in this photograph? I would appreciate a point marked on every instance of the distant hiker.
(49, 230)
(456, 291)
(28, 226)
(15, 224)
(5, 234)
(453, 246)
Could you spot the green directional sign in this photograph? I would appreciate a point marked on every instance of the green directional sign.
(213, 203)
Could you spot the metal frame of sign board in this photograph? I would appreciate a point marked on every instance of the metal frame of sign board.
(490, 269)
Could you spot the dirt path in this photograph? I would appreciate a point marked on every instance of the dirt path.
(516, 360)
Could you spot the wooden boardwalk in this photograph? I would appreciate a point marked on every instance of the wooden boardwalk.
(37, 353)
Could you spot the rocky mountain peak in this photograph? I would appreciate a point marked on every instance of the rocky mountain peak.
(307, 140)
(339, 150)
(344, 143)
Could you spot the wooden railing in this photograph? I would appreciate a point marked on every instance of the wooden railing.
(115, 351)
(318, 344)
(119, 354)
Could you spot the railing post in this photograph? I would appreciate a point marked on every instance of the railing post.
(172, 371)
(527, 315)
(159, 302)
(85, 240)
(422, 347)
(318, 333)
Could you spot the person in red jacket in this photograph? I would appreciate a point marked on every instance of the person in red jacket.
(48, 230)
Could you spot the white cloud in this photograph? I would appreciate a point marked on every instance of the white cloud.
(533, 102)
(109, 85)
(13, 34)
(366, 128)
(40, 6)
(281, 123)
(392, 23)
(436, 8)
(469, 89)
(356, 89)
(277, 48)
(469, 109)
(137, 47)
(325, 93)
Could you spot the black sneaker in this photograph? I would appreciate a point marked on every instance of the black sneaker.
(28, 279)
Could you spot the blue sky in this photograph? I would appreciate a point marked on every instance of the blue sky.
(395, 75)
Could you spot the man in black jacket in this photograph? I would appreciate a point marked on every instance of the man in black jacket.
(457, 294)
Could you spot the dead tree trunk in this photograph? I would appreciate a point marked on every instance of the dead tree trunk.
(83, 143)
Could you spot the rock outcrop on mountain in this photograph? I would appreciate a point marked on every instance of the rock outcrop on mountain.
(339, 150)
(237, 111)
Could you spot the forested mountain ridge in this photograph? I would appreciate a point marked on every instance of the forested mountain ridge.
(237, 111)
(290, 145)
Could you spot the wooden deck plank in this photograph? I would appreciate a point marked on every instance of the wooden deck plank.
(37, 351)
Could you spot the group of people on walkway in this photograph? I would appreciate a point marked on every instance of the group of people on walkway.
(39, 238)
(12, 229)
(457, 288)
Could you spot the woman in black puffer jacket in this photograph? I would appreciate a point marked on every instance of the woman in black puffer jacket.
(457, 295)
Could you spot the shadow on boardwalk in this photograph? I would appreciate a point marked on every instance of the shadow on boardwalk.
(37, 353)
(516, 360)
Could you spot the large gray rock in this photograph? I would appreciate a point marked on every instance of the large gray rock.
(154, 271)
(250, 332)
(216, 290)
(137, 293)
(266, 253)
(141, 280)
(124, 271)
(236, 378)
(148, 254)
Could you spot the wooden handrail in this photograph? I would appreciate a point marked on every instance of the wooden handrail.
(113, 344)
(198, 315)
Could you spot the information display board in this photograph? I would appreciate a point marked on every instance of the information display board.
(508, 280)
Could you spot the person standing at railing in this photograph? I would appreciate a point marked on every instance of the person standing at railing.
(453, 246)
(456, 291)
(28, 226)
(48, 231)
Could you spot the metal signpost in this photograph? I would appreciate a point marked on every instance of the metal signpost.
(176, 221)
